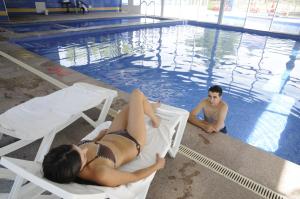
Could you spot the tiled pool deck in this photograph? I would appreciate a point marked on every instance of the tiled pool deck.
(182, 177)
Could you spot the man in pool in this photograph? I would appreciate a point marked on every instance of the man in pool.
(214, 111)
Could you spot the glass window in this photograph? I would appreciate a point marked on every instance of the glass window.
(136, 2)
(286, 16)
(124, 2)
(272, 15)
(259, 16)
(235, 12)
(172, 8)
(210, 12)
(199, 10)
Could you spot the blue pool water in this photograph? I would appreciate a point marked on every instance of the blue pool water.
(260, 75)
(47, 26)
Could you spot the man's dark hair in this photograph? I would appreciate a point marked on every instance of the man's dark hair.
(216, 89)
(62, 164)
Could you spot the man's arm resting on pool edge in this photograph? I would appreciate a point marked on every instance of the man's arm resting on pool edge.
(202, 124)
(210, 128)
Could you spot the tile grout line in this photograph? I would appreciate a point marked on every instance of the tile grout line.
(33, 70)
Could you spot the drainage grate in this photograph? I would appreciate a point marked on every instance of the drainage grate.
(230, 174)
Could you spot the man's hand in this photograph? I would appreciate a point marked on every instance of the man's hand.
(211, 129)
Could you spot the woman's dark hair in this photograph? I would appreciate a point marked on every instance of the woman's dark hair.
(62, 164)
(216, 89)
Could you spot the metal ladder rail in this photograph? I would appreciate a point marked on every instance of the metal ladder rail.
(147, 5)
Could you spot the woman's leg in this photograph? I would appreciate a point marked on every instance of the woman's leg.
(131, 117)
(120, 120)
(138, 107)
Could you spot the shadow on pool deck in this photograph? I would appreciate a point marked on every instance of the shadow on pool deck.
(182, 178)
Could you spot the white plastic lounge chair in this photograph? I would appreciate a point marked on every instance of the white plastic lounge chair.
(43, 117)
(160, 140)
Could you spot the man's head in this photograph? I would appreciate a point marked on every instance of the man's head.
(63, 163)
(215, 95)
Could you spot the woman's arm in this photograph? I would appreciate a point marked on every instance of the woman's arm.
(114, 177)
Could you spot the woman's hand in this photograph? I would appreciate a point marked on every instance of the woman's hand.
(160, 162)
(104, 131)
(101, 134)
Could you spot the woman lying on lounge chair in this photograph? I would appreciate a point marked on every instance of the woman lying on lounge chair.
(97, 160)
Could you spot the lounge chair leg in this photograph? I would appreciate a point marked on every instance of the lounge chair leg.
(102, 116)
(104, 110)
(15, 188)
(178, 136)
(44, 147)
(89, 120)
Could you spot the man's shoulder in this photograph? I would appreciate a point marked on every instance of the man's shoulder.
(224, 104)
(205, 101)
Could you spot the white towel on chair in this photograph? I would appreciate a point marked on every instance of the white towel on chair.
(42, 115)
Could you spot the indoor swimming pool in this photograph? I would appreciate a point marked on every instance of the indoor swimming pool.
(177, 64)
(54, 25)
